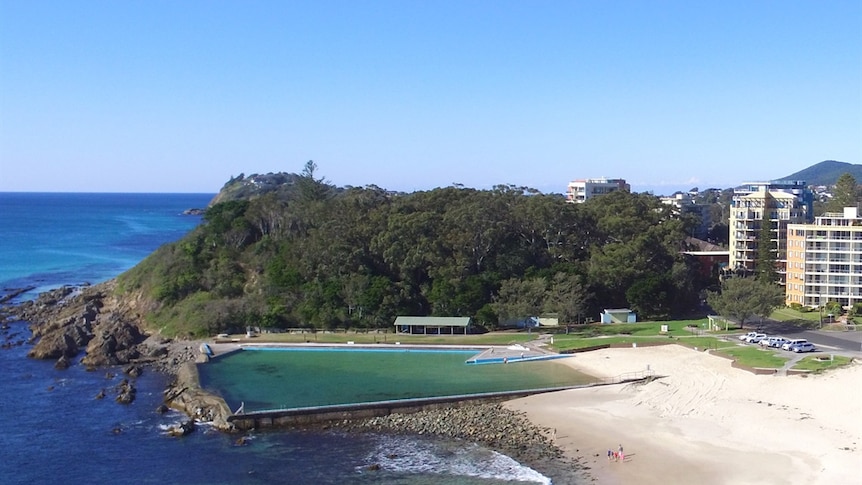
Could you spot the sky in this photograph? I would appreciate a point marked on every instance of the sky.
(180, 96)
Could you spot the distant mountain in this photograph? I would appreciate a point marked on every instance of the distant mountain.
(826, 173)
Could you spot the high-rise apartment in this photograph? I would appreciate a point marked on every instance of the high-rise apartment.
(824, 260)
(580, 190)
(779, 203)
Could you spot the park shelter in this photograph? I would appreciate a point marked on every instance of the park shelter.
(432, 325)
(618, 315)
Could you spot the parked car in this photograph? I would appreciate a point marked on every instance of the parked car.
(803, 347)
(773, 342)
(745, 337)
(790, 343)
(756, 338)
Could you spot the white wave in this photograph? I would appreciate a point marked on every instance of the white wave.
(409, 455)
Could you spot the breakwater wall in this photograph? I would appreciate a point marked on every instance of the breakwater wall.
(317, 415)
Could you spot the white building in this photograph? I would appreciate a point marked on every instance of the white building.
(824, 260)
(579, 191)
(783, 203)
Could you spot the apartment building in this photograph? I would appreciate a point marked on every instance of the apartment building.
(783, 202)
(579, 191)
(824, 260)
(686, 205)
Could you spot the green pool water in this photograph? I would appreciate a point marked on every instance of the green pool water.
(296, 377)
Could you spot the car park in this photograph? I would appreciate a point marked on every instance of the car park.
(790, 343)
(803, 347)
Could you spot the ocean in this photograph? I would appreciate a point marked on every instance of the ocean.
(55, 430)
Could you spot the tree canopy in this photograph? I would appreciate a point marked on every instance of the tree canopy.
(358, 257)
(745, 298)
(847, 193)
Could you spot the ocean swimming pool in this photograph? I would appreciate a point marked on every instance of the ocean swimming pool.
(283, 378)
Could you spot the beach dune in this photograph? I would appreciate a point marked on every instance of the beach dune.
(706, 422)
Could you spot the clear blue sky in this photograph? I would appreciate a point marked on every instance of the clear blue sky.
(178, 96)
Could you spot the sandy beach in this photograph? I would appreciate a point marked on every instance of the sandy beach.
(706, 422)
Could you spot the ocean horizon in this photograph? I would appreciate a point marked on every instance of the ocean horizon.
(56, 428)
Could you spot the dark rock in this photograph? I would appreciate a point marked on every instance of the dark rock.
(162, 409)
(126, 392)
(158, 351)
(113, 343)
(101, 394)
(62, 363)
(133, 371)
(183, 428)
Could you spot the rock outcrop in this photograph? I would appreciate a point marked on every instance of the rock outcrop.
(71, 319)
(186, 395)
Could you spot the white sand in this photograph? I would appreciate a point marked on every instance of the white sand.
(706, 422)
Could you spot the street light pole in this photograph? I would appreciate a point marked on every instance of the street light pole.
(820, 305)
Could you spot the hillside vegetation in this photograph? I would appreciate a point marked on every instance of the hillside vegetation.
(309, 255)
(826, 173)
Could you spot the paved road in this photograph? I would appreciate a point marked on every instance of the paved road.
(844, 341)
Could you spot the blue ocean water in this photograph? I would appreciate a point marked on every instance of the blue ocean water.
(54, 428)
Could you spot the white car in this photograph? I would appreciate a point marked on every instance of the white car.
(803, 347)
(790, 343)
(745, 337)
(773, 342)
(756, 338)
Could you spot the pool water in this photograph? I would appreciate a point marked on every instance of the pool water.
(302, 377)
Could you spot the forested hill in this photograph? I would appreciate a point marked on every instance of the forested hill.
(319, 256)
(826, 173)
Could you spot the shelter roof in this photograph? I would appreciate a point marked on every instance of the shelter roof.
(433, 321)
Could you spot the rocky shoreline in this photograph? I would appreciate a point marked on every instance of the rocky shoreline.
(489, 424)
(90, 319)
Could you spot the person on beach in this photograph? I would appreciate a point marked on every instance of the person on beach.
(611, 454)
(620, 454)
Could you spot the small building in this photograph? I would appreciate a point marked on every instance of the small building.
(550, 320)
(618, 315)
(432, 325)
(580, 190)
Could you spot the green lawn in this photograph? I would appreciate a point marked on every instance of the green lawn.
(492, 338)
(755, 357)
(821, 362)
(676, 328)
(806, 319)
(789, 315)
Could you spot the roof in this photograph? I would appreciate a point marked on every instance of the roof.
(433, 321)
(774, 194)
(617, 310)
(708, 253)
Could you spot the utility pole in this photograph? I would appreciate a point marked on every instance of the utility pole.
(820, 305)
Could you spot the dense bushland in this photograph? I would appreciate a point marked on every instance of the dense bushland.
(312, 255)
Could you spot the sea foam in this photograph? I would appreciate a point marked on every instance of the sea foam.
(409, 455)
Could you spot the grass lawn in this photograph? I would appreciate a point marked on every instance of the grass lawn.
(821, 362)
(755, 357)
(787, 314)
(491, 338)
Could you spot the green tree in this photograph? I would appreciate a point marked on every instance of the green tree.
(568, 298)
(311, 188)
(766, 257)
(744, 298)
(520, 298)
(846, 194)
